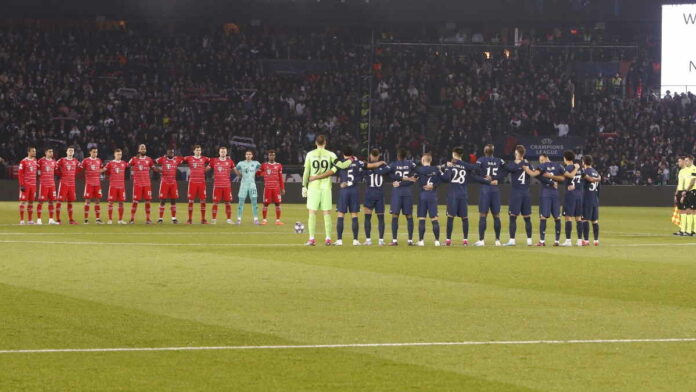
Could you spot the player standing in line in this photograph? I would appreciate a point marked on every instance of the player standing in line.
(549, 174)
(246, 170)
(222, 186)
(401, 172)
(520, 200)
(348, 197)
(116, 170)
(429, 177)
(688, 198)
(67, 169)
(92, 167)
(273, 186)
(196, 184)
(47, 185)
(489, 199)
(317, 190)
(142, 186)
(374, 197)
(572, 199)
(457, 173)
(678, 193)
(169, 189)
(27, 185)
(590, 201)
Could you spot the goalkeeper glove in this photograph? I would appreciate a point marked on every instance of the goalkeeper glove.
(304, 192)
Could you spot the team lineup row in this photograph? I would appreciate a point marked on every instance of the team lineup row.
(141, 165)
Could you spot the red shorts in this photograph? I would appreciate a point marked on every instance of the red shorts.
(222, 194)
(47, 193)
(196, 191)
(271, 196)
(168, 191)
(142, 192)
(117, 194)
(92, 192)
(66, 192)
(29, 193)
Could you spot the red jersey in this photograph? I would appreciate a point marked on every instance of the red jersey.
(47, 171)
(116, 170)
(92, 168)
(140, 167)
(27, 172)
(196, 168)
(169, 168)
(67, 169)
(222, 169)
(272, 175)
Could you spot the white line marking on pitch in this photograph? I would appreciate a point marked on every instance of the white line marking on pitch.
(149, 233)
(137, 243)
(349, 345)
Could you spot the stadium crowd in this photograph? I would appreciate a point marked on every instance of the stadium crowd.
(278, 88)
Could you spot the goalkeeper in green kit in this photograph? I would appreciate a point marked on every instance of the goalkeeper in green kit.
(246, 170)
(318, 191)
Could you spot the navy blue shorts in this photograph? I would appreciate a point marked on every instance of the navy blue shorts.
(549, 205)
(590, 212)
(572, 204)
(427, 205)
(520, 203)
(489, 201)
(401, 202)
(457, 206)
(348, 200)
(374, 201)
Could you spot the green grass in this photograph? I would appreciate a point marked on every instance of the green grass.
(170, 286)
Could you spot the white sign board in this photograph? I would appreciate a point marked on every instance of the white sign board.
(678, 48)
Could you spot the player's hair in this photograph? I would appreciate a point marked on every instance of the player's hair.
(221, 147)
(543, 154)
(401, 153)
(197, 146)
(690, 157)
(320, 140)
(48, 149)
(117, 150)
(459, 151)
(374, 152)
(587, 160)
(569, 155)
(141, 144)
(249, 150)
(428, 156)
(488, 150)
(347, 150)
(271, 151)
(521, 150)
(69, 147)
(93, 148)
(31, 148)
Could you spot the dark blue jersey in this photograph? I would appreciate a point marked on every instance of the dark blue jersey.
(590, 189)
(429, 175)
(547, 184)
(493, 168)
(352, 174)
(375, 177)
(459, 175)
(519, 179)
(575, 181)
(401, 169)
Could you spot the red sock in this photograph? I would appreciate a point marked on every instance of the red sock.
(190, 210)
(134, 208)
(120, 211)
(58, 205)
(173, 209)
(39, 207)
(86, 210)
(215, 207)
(147, 210)
(278, 211)
(228, 210)
(265, 211)
(50, 210)
(111, 210)
(161, 210)
(202, 211)
(70, 211)
(21, 211)
(30, 210)
(97, 210)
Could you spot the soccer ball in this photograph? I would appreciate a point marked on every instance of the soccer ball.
(299, 227)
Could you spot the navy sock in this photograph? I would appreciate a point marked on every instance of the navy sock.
(586, 230)
(578, 227)
(356, 228)
(568, 229)
(595, 231)
(339, 227)
(421, 229)
(465, 228)
(436, 230)
(558, 229)
(513, 226)
(409, 225)
(380, 225)
(482, 227)
(528, 226)
(450, 226)
(395, 227)
(496, 227)
(368, 225)
(542, 229)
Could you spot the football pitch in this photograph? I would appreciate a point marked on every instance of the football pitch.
(248, 308)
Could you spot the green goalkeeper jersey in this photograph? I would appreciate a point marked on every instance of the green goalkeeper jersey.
(317, 162)
(248, 171)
